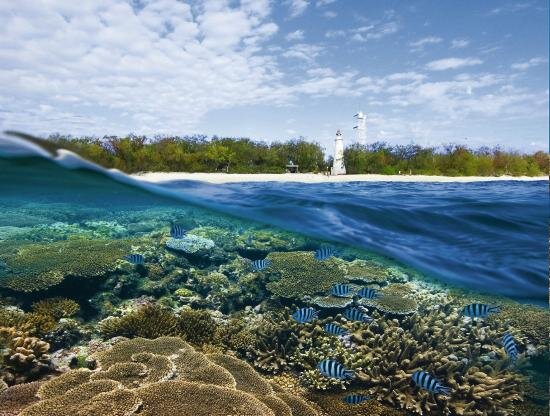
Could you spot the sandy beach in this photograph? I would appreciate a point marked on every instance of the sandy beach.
(156, 177)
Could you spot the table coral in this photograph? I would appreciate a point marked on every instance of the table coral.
(301, 275)
(16, 398)
(36, 267)
(119, 387)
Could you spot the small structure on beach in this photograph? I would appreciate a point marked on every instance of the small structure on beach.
(338, 167)
(291, 167)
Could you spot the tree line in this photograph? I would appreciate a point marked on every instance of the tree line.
(197, 153)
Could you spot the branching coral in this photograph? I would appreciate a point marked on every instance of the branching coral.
(196, 326)
(439, 343)
(56, 307)
(37, 267)
(149, 321)
(301, 275)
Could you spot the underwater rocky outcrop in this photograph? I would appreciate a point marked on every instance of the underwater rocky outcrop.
(161, 377)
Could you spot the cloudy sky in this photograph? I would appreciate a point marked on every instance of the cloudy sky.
(428, 72)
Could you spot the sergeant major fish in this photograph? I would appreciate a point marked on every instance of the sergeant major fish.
(479, 310)
(340, 290)
(354, 314)
(259, 265)
(428, 382)
(367, 293)
(324, 253)
(334, 329)
(304, 315)
(333, 369)
(177, 231)
(509, 344)
(135, 259)
(355, 399)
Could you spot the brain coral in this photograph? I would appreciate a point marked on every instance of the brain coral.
(301, 275)
(227, 387)
(35, 267)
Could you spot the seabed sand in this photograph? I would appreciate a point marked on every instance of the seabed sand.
(318, 178)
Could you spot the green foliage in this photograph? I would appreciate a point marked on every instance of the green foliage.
(452, 160)
(240, 155)
(195, 154)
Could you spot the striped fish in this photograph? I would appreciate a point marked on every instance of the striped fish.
(509, 344)
(354, 314)
(340, 290)
(324, 253)
(304, 315)
(428, 382)
(259, 265)
(355, 399)
(334, 329)
(177, 231)
(135, 259)
(479, 310)
(368, 293)
(333, 369)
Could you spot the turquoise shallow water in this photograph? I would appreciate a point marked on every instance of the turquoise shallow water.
(426, 250)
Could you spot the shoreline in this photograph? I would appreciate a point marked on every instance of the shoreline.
(219, 178)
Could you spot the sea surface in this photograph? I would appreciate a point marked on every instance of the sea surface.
(256, 253)
(489, 236)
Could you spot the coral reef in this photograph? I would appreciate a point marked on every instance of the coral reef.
(123, 383)
(196, 326)
(366, 271)
(301, 275)
(57, 308)
(394, 299)
(15, 398)
(191, 244)
(35, 267)
(149, 321)
(25, 358)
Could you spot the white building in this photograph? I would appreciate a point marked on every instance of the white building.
(361, 128)
(338, 167)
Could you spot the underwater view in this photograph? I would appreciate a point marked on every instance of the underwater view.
(120, 298)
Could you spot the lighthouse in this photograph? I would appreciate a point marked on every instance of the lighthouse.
(361, 128)
(338, 167)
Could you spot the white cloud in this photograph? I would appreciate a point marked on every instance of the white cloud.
(522, 66)
(374, 31)
(296, 7)
(100, 67)
(510, 8)
(459, 43)
(303, 51)
(330, 14)
(321, 3)
(452, 63)
(331, 34)
(421, 43)
(296, 35)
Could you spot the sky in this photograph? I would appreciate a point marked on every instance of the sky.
(424, 72)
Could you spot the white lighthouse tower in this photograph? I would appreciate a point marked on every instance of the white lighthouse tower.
(338, 167)
(361, 128)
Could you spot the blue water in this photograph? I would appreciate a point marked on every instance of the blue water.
(489, 236)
